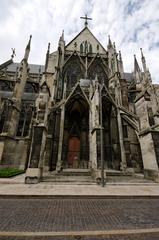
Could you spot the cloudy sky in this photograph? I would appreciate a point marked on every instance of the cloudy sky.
(132, 24)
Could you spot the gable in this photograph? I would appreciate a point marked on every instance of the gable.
(86, 35)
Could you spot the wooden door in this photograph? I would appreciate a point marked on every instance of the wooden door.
(73, 156)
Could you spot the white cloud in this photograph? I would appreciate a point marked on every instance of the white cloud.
(131, 24)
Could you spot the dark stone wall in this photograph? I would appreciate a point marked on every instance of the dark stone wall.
(155, 137)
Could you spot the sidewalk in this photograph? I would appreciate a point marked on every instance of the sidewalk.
(16, 187)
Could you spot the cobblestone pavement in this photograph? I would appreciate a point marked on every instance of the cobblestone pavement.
(52, 215)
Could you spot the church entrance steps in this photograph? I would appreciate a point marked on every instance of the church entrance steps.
(69, 172)
(111, 172)
(69, 179)
(83, 176)
(130, 180)
(69, 176)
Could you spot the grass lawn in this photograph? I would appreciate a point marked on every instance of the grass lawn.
(9, 172)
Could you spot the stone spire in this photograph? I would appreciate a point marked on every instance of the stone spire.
(47, 56)
(61, 42)
(121, 67)
(110, 45)
(137, 71)
(114, 46)
(143, 61)
(62, 37)
(147, 76)
(136, 65)
(27, 49)
(13, 119)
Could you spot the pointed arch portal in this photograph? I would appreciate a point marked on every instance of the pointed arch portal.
(76, 132)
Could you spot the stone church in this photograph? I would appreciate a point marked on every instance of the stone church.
(79, 111)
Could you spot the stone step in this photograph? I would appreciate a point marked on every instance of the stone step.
(71, 172)
(117, 173)
(68, 178)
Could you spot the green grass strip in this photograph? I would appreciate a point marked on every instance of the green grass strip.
(10, 172)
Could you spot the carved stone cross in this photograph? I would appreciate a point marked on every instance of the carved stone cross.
(86, 20)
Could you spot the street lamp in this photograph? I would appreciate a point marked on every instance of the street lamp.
(101, 137)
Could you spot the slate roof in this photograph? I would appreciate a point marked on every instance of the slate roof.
(34, 68)
(5, 64)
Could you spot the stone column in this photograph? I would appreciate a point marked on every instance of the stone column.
(123, 164)
(94, 125)
(62, 120)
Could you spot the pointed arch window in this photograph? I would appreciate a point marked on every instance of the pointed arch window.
(98, 69)
(86, 47)
(81, 48)
(25, 120)
(73, 72)
(90, 48)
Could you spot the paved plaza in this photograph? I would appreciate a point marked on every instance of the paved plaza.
(122, 210)
(98, 216)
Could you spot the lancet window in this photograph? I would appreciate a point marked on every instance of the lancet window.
(73, 73)
(25, 120)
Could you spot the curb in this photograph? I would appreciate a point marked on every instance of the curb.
(115, 232)
(79, 196)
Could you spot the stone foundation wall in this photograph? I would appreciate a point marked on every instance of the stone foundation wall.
(15, 153)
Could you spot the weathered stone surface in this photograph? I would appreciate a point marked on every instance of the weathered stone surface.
(64, 107)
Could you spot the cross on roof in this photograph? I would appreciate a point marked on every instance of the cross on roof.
(13, 53)
(86, 20)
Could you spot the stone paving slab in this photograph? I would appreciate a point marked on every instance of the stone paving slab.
(48, 189)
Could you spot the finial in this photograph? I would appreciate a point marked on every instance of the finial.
(62, 34)
(27, 50)
(136, 65)
(143, 61)
(109, 41)
(142, 55)
(28, 46)
(48, 47)
(13, 53)
(114, 45)
(120, 57)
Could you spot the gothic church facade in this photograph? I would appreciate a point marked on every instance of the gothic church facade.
(78, 107)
